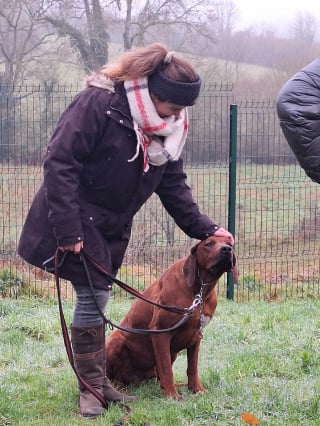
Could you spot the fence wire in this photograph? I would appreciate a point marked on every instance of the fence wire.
(277, 208)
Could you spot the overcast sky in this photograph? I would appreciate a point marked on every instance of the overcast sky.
(273, 12)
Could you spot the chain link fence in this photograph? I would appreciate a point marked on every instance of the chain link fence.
(277, 212)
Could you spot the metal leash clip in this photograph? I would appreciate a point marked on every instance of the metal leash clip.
(51, 259)
(196, 302)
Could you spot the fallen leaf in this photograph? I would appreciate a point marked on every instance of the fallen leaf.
(250, 419)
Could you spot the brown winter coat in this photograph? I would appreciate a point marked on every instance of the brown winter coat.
(91, 191)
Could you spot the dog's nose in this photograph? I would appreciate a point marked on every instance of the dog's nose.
(226, 249)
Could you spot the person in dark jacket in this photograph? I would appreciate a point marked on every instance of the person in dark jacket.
(118, 142)
(298, 108)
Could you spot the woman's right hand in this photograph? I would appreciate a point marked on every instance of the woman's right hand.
(74, 248)
(221, 232)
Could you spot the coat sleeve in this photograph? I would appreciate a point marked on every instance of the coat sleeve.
(79, 129)
(176, 196)
(298, 109)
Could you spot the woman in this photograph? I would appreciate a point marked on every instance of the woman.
(119, 141)
(298, 108)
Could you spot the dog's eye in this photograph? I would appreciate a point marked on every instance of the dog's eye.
(209, 244)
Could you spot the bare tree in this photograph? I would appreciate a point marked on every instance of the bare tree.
(127, 39)
(299, 49)
(83, 23)
(24, 43)
(24, 39)
(154, 20)
(304, 29)
(223, 23)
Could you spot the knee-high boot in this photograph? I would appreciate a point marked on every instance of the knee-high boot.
(89, 360)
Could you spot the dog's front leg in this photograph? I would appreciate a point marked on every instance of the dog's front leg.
(194, 383)
(161, 347)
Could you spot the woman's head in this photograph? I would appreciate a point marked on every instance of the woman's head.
(170, 78)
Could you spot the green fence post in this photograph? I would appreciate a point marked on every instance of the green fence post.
(232, 186)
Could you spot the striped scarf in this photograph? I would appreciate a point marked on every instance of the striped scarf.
(160, 139)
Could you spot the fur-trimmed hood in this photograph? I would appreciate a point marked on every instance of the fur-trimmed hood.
(97, 79)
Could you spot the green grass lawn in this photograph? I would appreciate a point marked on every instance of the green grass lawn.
(256, 357)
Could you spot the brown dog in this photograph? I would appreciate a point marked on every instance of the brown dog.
(135, 358)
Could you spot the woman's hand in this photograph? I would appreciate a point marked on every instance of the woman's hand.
(221, 232)
(74, 248)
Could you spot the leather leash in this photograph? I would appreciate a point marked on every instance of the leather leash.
(187, 312)
(69, 351)
(66, 337)
(84, 255)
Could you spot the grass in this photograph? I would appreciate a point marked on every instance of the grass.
(256, 357)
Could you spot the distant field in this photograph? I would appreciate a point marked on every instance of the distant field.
(212, 70)
(277, 228)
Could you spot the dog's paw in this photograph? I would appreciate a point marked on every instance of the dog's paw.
(174, 395)
(177, 397)
(198, 389)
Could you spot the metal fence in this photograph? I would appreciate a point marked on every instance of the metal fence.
(275, 208)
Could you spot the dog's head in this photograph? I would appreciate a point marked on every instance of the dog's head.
(211, 257)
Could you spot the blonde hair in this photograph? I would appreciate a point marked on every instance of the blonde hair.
(144, 61)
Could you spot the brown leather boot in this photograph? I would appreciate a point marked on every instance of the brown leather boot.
(89, 358)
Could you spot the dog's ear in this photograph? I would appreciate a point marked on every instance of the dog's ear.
(190, 267)
(235, 268)
(194, 249)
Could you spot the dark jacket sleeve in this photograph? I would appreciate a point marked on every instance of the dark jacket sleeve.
(298, 108)
(78, 130)
(176, 197)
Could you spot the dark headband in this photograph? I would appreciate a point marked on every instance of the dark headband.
(173, 91)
